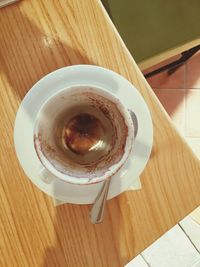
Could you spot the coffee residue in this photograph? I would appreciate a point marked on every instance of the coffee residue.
(82, 132)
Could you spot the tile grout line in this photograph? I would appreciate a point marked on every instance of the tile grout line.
(189, 238)
(145, 260)
(194, 264)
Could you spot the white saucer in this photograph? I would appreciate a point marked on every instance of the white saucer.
(92, 76)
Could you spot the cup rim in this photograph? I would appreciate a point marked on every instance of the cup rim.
(114, 168)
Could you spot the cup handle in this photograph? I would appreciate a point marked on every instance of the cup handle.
(46, 176)
(135, 122)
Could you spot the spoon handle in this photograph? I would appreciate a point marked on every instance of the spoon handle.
(97, 211)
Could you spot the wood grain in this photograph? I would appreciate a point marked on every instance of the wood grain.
(37, 37)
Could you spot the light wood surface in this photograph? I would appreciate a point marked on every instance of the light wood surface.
(37, 37)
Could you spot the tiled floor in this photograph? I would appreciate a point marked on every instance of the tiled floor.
(172, 250)
(179, 93)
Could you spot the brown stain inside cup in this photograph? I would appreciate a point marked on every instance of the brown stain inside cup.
(82, 133)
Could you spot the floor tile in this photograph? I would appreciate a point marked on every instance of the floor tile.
(192, 230)
(173, 249)
(164, 80)
(197, 264)
(173, 100)
(195, 215)
(193, 72)
(192, 110)
(137, 262)
(194, 143)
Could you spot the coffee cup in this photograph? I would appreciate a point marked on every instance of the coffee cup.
(83, 134)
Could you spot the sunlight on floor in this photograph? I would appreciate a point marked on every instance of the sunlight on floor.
(179, 93)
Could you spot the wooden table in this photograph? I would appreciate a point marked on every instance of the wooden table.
(37, 37)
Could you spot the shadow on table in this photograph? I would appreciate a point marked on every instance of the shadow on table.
(73, 229)
(37, 54)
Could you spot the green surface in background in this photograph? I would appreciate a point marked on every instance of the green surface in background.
(150, 27)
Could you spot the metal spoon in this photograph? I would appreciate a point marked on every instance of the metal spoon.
(135, 122)
(97, 211)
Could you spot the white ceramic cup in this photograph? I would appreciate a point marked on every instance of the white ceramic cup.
(83, 134)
